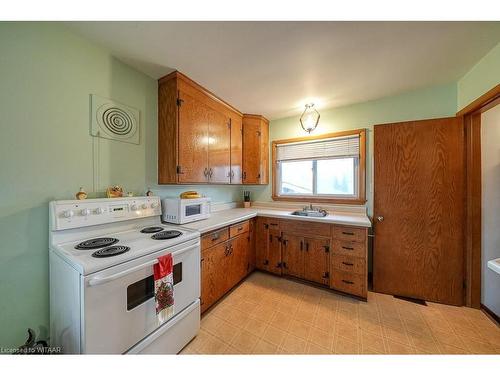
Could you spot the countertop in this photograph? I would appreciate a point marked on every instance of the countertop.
(223, 218)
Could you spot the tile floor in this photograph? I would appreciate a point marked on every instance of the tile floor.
(271, 315)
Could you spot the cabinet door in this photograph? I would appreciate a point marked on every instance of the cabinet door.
(316, 260)
(239, 258)
(236, 150)
(261, 244)
(194, 117)
(293, 255)
(251, 152)
(264, 153)
(219, 148)
(274, 251)
(251, 246)
(213, 282)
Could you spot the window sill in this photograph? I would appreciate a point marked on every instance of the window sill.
(353, 201)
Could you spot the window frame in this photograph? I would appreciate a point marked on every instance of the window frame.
(357, 199)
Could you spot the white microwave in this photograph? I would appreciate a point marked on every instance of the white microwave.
(182, 211)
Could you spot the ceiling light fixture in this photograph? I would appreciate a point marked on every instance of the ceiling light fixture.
(310, 118)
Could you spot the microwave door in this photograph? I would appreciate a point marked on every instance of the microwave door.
(192, 210)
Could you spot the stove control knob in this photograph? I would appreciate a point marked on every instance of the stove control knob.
(144, 205)
(134, 207)
(85, 212)
(68, 214)
(99, 210)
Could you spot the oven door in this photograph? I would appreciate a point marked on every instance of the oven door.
(119, 305)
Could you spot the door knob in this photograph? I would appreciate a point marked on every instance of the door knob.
(380, 218)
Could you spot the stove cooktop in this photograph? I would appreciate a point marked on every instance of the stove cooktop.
(104, 250)
(96, 243)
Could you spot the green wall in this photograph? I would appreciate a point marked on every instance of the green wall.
(481, 78)
(421, 104)
(46, 75)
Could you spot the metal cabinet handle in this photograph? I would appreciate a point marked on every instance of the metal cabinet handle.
(348, 233)
(205, 172)
(301, 245)
(348, 264)
(380, 218)
(210, 173)
(307, 246)
(347, 282)
(347, 248)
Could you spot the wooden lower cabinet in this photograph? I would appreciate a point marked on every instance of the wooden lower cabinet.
(225, 261)
(268, 245)
(293, 255)
(213, 282)
(325, 254)
(316, 260)
(333, 256)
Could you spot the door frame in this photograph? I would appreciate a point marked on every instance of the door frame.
(471, 115)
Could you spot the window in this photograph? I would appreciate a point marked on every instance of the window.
(327, 168)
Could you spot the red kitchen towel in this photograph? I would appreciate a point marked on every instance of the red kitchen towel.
(164, 288)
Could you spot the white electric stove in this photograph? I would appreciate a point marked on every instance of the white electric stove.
(102, 253)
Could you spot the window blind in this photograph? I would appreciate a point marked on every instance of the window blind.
(347, 146)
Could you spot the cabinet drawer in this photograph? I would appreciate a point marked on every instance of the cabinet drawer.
(349, 264)
(348, 282)
(239, 228)
(307, 228)
(354, 249)
(349, 233)
(215, 237)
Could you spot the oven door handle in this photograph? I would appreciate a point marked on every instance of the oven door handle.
(101, 280)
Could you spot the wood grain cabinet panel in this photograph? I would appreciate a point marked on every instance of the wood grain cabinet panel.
(215, 237)
(348, 263)
(293, 255)
(349, 282)
(194, 119)
(261, 244)
(213, 282)
(219, 149)
(316, 260)
(236, 149)
(274, 251)
(351, 234)
(239, 228)
(353, 249)
(255, 149)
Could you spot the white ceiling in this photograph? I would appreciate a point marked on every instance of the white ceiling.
(274, 68)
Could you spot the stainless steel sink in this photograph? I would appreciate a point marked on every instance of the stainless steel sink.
(310, 213)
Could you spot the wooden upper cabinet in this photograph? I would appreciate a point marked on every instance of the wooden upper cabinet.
(236, 149)
(219, 149)
(196, 143)
(195, 118)
(255, 149)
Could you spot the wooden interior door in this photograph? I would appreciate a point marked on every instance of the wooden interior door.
(293, 255)
(251, 151)
(219, 148)
(274, 251)
(316, 260)
(236, 150)
(194, 117)
(419, 209)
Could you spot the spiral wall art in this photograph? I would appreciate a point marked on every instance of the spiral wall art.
(113, 120)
